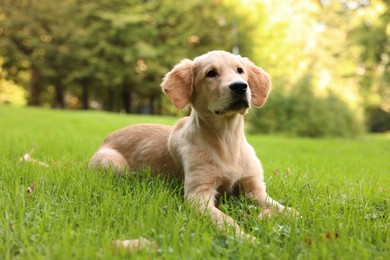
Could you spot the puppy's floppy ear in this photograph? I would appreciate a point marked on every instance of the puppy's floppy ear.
(259, 82)
(178, 83)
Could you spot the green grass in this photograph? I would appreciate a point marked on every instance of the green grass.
(340, 187)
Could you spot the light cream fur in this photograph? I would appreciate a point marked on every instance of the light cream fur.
(208, 148)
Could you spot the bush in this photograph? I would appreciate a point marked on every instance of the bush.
(378, 120)
(303, 114)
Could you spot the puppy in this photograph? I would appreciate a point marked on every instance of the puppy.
(208, 148)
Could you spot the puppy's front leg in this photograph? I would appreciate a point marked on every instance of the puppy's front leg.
(203, 197)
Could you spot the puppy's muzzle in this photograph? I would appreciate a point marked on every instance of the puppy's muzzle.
(238, 88)
(239, 96)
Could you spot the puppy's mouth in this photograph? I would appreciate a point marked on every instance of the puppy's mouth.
(238, 105)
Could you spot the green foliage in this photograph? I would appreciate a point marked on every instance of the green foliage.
(10, 93)
(373, 37)
(340, 187)
(378, 120)
(112, 55)
(342, 44)
(302, 113)
(116, 52)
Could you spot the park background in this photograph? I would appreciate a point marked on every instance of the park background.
(73, 71)
(329, 59)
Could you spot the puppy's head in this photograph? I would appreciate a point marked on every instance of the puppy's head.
(217, 82)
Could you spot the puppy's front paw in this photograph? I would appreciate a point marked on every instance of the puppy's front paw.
(269, 213)
(292, 212)
(265, 213)
(248, 237)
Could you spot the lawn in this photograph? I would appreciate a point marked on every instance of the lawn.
(341, 187)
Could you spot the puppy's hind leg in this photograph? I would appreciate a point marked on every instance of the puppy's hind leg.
(108, 158)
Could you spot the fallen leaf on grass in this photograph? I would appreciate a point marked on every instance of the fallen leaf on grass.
(328, 235)
(30, 189)
(278, 172)
(265, 213)
(27, 158)
(135, 245)
(308, 241)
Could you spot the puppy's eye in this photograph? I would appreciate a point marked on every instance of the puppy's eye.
(211, 74)
(240, 70)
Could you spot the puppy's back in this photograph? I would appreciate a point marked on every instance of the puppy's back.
(143, 145)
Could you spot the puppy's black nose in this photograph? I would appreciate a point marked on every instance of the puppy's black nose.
(238, 88)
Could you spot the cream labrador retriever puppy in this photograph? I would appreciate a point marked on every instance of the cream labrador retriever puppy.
(208, 148)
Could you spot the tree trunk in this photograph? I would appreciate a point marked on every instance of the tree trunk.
(85, 94)
(59, 98)
(126, 98)
(110, 101)
(34, 90)
(151, 104)
(159, 105)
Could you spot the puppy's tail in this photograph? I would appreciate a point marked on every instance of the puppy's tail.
(108, 158)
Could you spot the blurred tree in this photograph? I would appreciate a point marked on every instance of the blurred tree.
(114, 54)
(34, 39)
(18, 48)
(373, 37)
(318, 38)
(106, 42)
(111, 51)
(304, 113)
